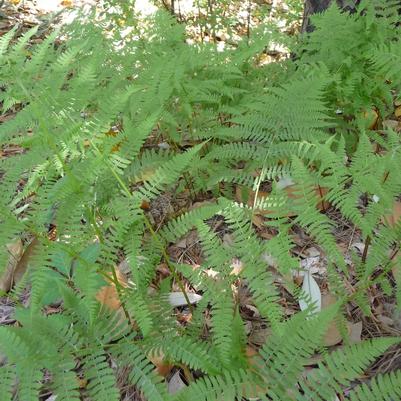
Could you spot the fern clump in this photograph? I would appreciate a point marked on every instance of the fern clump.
(105, 129)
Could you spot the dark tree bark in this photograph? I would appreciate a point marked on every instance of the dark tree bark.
(318, 6)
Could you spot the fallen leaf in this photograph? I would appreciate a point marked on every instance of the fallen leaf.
(333, 335)
(108, 294)
(259, 336)
(285, 182)
(385, 320)
(395, 216)
(182, 243)
(255, 363)
(258, 221)
(178, 299)
(175, 384)
(370, 118)
(237, 267)
(319, 191)
(391, 124)
(355, 331)
(82, 383)
(10, 275)
(67, 3)
(228, 240)
(163, 368)
(312, 291)
(245, 195)
(397, 112)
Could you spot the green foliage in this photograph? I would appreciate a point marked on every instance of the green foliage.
(89, 113)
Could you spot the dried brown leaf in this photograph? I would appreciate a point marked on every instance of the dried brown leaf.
(355, 331)
(394, 217)
(333, 335)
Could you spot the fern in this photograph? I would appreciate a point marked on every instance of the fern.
(104, 130)
(383, 387)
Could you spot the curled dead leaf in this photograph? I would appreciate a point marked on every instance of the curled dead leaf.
(163, 368)
(370, 118)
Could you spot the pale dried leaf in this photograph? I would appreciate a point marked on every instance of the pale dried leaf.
(332, 335)
(355, 331)
(312, 290)
(178, 299)
(391, 124)
(237, 267)
(175, 384)
(10, 275)
(285, 182)
(394, 217)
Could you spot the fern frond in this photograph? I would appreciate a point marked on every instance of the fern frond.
(142, 373)
(380, 388)
(101, 379)
(339, 368)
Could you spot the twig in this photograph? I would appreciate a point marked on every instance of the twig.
(248, 22)
(365, 249)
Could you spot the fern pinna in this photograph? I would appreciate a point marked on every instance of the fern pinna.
(104, 129)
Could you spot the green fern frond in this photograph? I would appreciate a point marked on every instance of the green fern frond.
(101, 379)
(142, 373)
(339, 368)
(194, 354)
(7, 379)
(380, 388)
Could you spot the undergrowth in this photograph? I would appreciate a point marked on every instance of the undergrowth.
(91, 113)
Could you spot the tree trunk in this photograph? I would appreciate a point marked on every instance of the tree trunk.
(318, 6)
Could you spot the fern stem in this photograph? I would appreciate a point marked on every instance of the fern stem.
(321, 199)
(366, 248)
